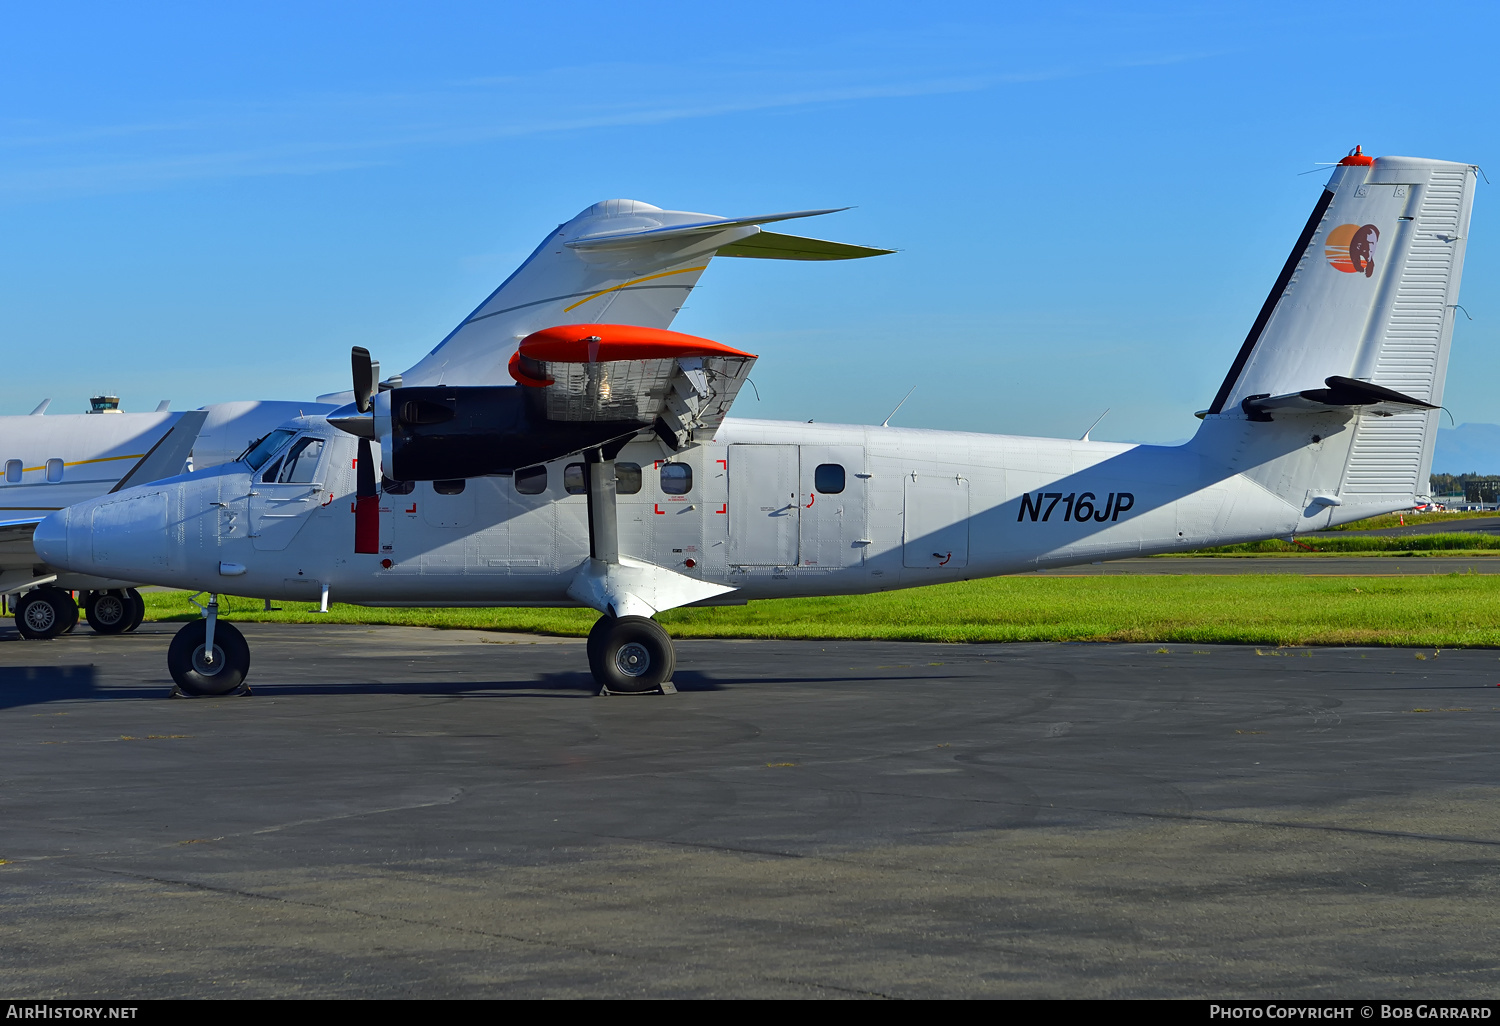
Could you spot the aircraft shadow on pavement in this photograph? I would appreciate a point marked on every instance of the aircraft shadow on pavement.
(562, 685)
(33, 685)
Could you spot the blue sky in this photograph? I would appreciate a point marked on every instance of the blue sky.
(213, 202)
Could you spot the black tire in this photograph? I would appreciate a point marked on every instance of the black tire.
(196, 677)
(139, 612)
(633, 655)
(42, 614)
(597, 634)
(109, 612)
(73, 612)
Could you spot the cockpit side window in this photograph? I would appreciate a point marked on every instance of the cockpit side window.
(301, 464)
(265, 448)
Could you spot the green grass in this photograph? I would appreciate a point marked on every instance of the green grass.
(1446, 543)
(1395, 520)
(1446, 611)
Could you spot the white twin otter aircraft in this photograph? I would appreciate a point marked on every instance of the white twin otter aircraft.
(562, 447)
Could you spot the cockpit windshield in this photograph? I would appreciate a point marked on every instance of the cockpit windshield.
(264, 449)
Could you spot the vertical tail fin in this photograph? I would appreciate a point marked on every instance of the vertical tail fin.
(1367, 296)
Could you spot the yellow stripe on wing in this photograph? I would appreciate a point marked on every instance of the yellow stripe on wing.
(627, 284)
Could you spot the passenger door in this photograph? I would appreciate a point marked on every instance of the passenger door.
(832, 497)
(764, 513)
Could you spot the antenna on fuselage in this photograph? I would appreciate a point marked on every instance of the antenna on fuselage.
(887, 421)
(1095, 424)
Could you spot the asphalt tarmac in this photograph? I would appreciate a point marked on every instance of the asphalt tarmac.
(400, 812)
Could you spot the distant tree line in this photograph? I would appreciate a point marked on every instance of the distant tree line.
(1475, 487)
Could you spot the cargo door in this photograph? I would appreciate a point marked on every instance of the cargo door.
(763, 507)
(935, 532)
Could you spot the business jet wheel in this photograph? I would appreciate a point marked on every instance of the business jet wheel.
(630, 654)
(43, 613)
(72, 610)
(138, 609)
(193, 673)
(109, 612)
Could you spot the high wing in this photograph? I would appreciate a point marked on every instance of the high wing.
(617, 262)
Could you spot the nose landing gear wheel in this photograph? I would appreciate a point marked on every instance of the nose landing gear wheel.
(45, 613)
(630, 654)
(109, 612)
(198, 675)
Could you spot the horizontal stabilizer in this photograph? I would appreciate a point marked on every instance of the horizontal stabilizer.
(775, 246)
(1340, 393)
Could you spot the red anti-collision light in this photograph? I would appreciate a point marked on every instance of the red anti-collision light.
(596, 343)
(1357, 158)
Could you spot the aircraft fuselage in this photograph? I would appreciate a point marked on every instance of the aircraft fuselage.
(771, 509)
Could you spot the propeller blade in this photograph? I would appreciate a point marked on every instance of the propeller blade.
(363, 369)
(366, 502)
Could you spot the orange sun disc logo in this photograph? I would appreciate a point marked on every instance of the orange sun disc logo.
(1351, 248)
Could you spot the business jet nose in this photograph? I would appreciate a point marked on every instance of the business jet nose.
(51, 539)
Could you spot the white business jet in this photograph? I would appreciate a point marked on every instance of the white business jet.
(48, 462)
(608, 476)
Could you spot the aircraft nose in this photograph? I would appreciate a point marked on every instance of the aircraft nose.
(51, 539)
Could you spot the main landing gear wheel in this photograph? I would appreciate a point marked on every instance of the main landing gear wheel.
(194, 673)
(138, 610)
(73, 613)
(109, 612)
(630, 654)
(44, 613)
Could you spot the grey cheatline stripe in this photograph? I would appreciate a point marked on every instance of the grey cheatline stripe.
(1269, 307)
(571, 295)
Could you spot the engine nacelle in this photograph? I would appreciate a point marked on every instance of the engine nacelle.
(436, 433)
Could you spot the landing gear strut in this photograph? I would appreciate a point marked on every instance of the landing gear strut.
(630, 655)
(207, 657)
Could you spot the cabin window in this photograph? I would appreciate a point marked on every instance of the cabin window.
(676, 478)
(269, 477)
(627, 478)
(12, 471)
(575, 479)
(531, 480)
(54, 470)
(452, 487)
(301, 463)
(829, 478)
(262, 450)
(390, 487)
